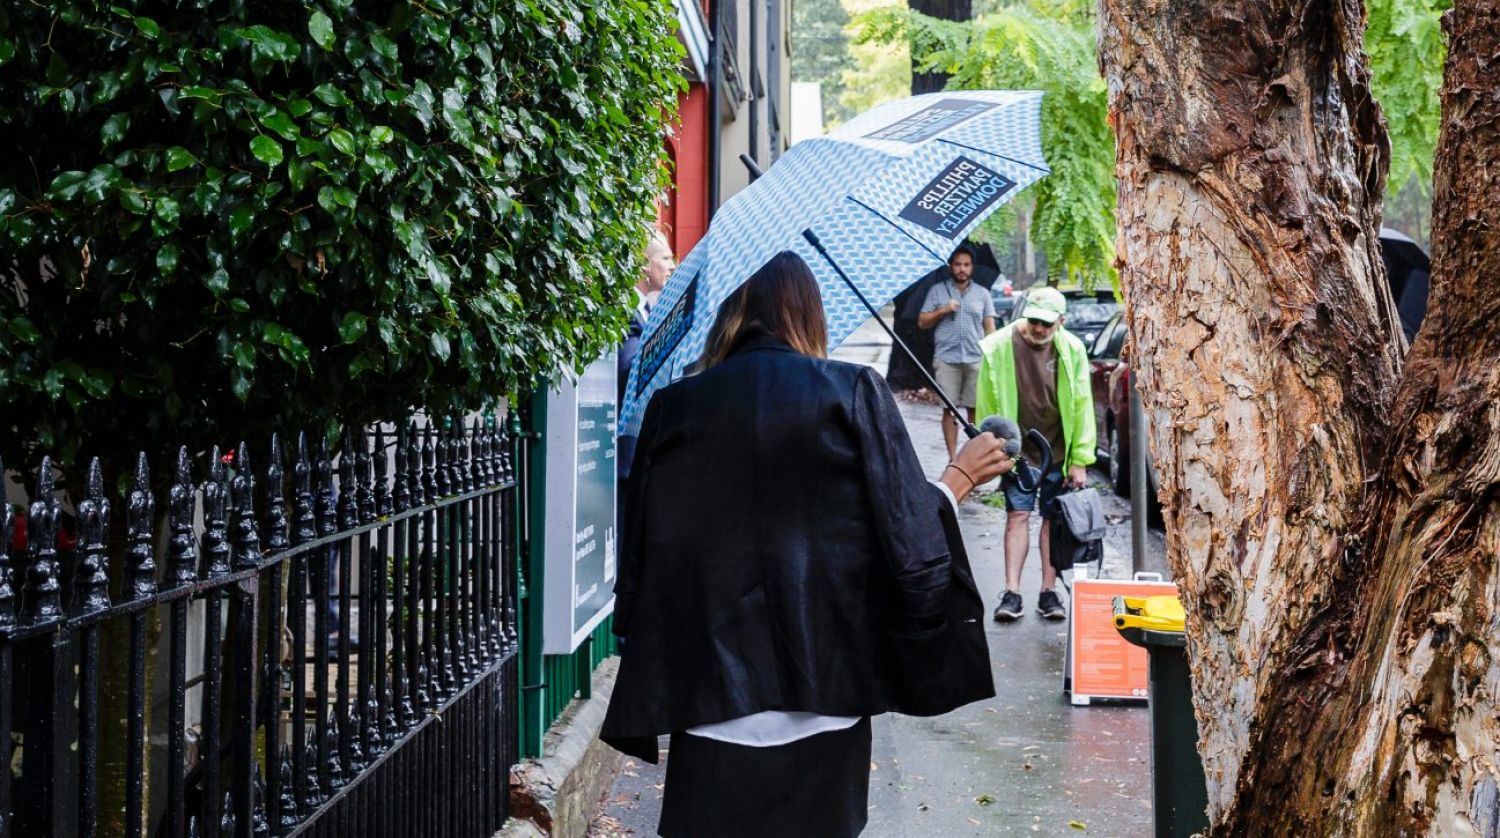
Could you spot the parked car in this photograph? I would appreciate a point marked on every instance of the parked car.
(1004, 299)
(1088, 311)
(1110, 380)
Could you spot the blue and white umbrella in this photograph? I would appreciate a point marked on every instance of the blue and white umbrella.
(889, 195)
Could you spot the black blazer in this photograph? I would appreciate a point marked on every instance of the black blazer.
(784, 551)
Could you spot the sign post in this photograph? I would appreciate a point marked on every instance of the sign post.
(581, 544)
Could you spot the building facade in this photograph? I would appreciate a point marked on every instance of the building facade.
(736, 107)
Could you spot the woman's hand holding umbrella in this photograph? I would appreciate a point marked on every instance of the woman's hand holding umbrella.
(980, 460)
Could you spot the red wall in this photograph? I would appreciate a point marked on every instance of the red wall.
(685, 217)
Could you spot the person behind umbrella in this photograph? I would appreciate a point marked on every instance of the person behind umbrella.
(1035, 372)
(658, 268)
(962, 313)
(788, 573)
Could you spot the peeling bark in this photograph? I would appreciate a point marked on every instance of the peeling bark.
(1417, 752)
(1251, 162)
(1334, 521)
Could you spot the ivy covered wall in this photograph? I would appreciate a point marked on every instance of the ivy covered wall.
(219, 217)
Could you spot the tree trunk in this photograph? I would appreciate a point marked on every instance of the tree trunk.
(960, 10)
(1333, 522)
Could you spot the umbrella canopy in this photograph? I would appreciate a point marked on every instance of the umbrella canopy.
(890, 194)
(1408, 269)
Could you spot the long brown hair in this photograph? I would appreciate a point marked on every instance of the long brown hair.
(781, 298)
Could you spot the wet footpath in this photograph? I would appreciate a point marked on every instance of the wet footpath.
(1024, 763)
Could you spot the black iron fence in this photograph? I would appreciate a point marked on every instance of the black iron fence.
(329, 651)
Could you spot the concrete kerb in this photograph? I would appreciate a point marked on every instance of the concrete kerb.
(558, 794)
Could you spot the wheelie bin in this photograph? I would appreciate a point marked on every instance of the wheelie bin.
(1178, 790)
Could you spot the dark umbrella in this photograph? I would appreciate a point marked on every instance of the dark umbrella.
(1409, 270)
(902, 374)
(986, 272)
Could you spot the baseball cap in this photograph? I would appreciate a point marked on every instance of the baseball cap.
(1045, 304)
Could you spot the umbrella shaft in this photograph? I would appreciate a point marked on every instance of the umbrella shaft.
(963, 422)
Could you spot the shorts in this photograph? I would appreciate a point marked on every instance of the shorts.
(959, 381)
(1019, 501)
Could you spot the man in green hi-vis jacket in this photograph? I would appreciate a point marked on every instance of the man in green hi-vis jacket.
(1035, 372)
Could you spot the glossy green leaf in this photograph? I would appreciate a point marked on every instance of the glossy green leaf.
(282, 124)
(321, 30)
(440, 346)
(66, 186)
(168, 210)
(353, 327)
(342, 140)
(326, 199)
(240, 385)
(166, 258)
(241, 218)
(244, 356)
(179, 158)
(114, 128)
(133, 202)
(266, 150)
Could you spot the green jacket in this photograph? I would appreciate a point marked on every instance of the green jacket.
(1075, 396)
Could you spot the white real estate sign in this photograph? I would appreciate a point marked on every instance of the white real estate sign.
(581, 544)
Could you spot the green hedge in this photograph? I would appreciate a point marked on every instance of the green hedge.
(227, 215)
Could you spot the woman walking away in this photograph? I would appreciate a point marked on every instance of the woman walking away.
(788, 572)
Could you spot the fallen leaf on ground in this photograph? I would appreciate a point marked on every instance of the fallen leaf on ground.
(1078, 825)
(984, 800)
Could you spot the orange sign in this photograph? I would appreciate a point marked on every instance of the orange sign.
(1101, 663)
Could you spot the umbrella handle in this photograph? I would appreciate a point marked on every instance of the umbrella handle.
(969, 430)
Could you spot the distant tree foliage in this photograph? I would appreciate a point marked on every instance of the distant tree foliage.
(881, 72)
(820, 53)
(220, 217)
(1038, 45)
(1049, 45)
(1404, 39)
(926, 78)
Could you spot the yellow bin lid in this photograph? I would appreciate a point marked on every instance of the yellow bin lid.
(1154, 613)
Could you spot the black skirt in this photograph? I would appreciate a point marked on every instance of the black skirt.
(818, 787)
